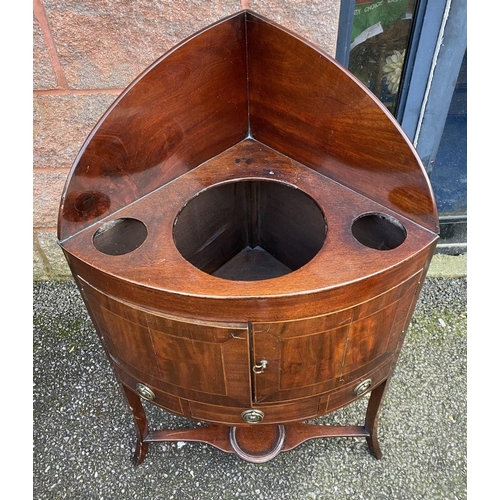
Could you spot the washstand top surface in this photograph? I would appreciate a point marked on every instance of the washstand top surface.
(327, 234)
(238, 100)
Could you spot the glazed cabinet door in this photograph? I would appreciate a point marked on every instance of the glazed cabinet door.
(193, 360)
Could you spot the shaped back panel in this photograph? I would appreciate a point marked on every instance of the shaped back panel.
(305, 105)
(187, 107)
(243, 76)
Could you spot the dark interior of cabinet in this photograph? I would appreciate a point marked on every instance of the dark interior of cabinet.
(250, 230)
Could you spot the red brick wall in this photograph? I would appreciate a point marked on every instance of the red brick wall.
(85, 52)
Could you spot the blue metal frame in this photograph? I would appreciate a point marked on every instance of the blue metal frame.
(420, 100)
(421, 42)
(346, 17)
(445, 66)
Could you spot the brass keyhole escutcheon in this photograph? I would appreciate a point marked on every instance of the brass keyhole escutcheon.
(145, 392)
(253, 416)
(362, 387)
(260, 367)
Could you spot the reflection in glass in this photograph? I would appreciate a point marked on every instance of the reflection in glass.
(380, 36)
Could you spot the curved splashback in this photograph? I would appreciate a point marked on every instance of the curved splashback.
(241, 77)
(186, 108)
(307, 106)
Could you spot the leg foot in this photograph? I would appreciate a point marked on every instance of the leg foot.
(141, 450)
(374, 447)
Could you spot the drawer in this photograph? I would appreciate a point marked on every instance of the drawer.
(345, 395)
(168, 394)
(163, 399)
(273, 414)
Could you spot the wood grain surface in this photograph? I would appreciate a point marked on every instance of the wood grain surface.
(249, 229)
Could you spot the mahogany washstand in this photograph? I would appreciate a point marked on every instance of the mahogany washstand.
(249, 229)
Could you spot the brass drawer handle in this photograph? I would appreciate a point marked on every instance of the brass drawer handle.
(362, 387)
(260, 367)
(145, 392)
(253, 416)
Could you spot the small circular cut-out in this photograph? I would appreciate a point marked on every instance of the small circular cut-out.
(120, 236)
(379, 231)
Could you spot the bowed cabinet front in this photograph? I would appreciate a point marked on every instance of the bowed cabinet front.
(268, 372)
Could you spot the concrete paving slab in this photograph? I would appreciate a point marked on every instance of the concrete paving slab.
(448, 266)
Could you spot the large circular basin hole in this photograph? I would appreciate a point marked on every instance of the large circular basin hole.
(250, 230)
(120, 236)
(379, 231)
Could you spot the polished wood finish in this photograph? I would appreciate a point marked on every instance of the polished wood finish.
(250, 230)
(188, 106)
(305, 105)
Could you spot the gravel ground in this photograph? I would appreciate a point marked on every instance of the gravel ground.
(84, 436)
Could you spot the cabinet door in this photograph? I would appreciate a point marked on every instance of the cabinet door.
(299, 359)
(195, 360)
(302, 358)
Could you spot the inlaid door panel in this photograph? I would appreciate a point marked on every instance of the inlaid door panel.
(315, 355)
(368, 338)
(187, 358)
(217, 366)
(377, 328)
(303, 358)
(128, 343)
